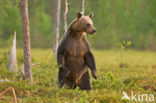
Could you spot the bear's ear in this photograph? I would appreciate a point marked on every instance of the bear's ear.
(79, 14)
(91, 15)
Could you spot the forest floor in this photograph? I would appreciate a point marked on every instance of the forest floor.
(137, 75)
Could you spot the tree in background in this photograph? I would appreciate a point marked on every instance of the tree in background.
(26, 40)
(65, 17)
(83, 7)
(12, 65)
(56, 26)
(115, 20)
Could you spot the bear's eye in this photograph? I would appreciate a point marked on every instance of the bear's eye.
(88, 25)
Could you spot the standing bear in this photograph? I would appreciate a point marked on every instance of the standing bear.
(74, 55)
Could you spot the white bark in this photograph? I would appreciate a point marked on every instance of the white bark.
(83, 7)
(65, 17)
(12, 65)
(56, 26)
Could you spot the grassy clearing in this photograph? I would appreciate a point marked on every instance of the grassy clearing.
(139, 76)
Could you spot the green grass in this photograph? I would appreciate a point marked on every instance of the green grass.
(112, 80)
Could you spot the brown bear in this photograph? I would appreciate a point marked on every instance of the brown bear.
(74, 55)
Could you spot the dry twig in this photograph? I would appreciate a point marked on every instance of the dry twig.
(13, 92)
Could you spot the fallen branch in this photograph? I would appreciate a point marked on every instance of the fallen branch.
(6, 80)
(13, 92)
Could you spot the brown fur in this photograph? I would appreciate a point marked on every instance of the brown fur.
(74, 55)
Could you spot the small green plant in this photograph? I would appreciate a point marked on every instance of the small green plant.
(124, 44)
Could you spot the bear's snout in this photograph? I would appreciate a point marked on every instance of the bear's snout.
(93, 31)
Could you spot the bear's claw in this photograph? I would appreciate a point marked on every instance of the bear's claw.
(94, 75)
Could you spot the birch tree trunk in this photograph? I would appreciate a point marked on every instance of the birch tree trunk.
(56, 26)
(12, 65)
(26, 40)
(83, 7)
(65, 17)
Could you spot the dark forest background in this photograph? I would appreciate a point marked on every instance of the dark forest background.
(115, 21)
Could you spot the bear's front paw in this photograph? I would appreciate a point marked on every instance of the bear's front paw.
(94, 75)
(66, 72)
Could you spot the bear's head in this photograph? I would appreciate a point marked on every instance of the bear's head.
(83, 24)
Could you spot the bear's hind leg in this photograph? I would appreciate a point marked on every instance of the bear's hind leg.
(64, 82)
(84, 83)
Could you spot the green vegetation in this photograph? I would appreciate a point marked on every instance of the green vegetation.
(119, 69)
(139, 76)
(115, 20)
